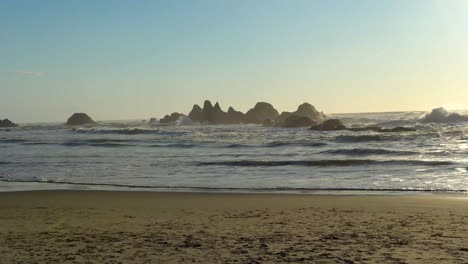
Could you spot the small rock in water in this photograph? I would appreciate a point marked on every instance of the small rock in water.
(7, 123)
(261, 112)
(330, 125)
(171, 118)
(305, 110)
(80, 119)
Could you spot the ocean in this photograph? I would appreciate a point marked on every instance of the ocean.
(238, 158)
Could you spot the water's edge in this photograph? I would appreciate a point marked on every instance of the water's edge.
(67, 186)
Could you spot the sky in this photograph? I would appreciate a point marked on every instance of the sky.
(124, 59)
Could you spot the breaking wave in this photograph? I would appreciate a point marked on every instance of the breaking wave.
(368, 151)
(364, 138)
(301, 144)
(127, 131)
(324, 163)
(441, 115)
(12, 140)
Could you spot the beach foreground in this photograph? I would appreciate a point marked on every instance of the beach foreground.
(147, 227)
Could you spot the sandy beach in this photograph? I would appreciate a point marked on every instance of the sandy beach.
(145, 227)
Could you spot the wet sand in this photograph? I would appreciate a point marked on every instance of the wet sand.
(145, 227)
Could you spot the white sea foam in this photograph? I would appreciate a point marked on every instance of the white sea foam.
(441, 115)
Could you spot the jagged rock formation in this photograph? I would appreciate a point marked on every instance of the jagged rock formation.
(440, 115)
(261, 112)
(196, 114)
(304, 110)
(235, 117)
(171, 118)
(80, 119)
(298, 121)
(219, 116)
(337, 125)
(7, 123)
(207, 115)
(208, 112)
(214, 115)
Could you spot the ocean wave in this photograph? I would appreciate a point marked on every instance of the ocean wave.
(365, 138)
(323, 163)
(80, 144)
(396, 123)
(368, 151)
(441, 115)
(276, 144)
(103, 142)
(99, 142)
(300, 144)
(37, 143)
(235, 145)
(109, 140)
(12, 140)
(175, 145)
(128, 131)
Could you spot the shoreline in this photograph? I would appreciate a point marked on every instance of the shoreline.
(169, 227)
(27, 186)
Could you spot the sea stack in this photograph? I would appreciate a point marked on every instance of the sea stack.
(205, 115)
(304, 110)
(80, 119)
(261, 112)
(171, 118)
(214, 115)
(196, 115)
(330, 125)
(235, 117)
(7, 123)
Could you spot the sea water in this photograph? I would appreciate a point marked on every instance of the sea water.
(136, 155)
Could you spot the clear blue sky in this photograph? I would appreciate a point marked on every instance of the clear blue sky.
(137, 59)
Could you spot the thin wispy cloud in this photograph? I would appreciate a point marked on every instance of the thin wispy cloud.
(29, 73)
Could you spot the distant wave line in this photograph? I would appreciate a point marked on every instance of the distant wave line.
(368, 151)
(128, 131)
(151, 143)
(323, 163)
